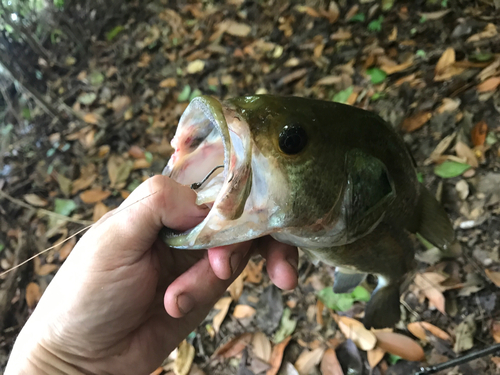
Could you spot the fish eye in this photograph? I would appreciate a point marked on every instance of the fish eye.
(292, 139)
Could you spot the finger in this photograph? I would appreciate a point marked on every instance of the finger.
(281, 262)
(198, 288)
(225, 260)
(157, 202)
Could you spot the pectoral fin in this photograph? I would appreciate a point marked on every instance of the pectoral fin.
(346, 280)
(432, 222)
(382, 311)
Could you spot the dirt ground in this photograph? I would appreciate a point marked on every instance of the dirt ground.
(91, 101)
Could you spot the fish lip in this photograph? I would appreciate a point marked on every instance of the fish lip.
(214, 111)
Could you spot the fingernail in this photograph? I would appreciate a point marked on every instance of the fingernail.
(235, 261)
(185, 303)
(294, 263)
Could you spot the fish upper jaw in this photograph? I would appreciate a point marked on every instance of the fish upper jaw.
(245, 198)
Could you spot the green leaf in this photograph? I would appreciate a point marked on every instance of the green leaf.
(491, 139)
(2, 246)
(5, 130)
(8, 28)
(420, 177)
(482, 56)
(50, 152)
(387, 5)
(26, 113)
(87, 98)
(376, 25)
(96, 78)
(421, 53)
(360, 17)
(423, 19)
(194, 94)
(59, 3)
(444, 4)
(287, 326)
(450, 169)
(342, 96)
(149, 156)
(64, 206)
(113, 33)
(377, 96)
(393, 359)
(342, 301)
(184, 95)
(376, 75)
(133, 185)
(212, 87)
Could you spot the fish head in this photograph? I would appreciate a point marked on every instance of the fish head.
(288, 169)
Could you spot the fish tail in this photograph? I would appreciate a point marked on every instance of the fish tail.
(383, 311)
(431, 221)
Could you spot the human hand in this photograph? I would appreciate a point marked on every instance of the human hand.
(123, 300)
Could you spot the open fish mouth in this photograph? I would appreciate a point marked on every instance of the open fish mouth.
(213, 155)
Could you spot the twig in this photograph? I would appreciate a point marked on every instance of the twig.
(10, 107)
(43, 211)
(459, 361)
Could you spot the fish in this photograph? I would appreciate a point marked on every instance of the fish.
(334, 180)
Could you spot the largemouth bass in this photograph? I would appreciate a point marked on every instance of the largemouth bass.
(334, 180)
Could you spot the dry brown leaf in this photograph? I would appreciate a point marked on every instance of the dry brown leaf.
(495, 331)
(319, 312)
(277, 356)
(493, 276)
(65, 250)
(351, 12)
(223, 306)
(94, 195)
(412, 123)
(234, 346)
(445, 67)
(491, 84)
(87, 177)
(100, 209)
(293, 76)
(330, 364)
(449, 105)
(92, 118)
(333, 12)
(232, 28)
(168, 83)
(375, 356)
(236, 287)
(35, 200)
(120, 103)
(46, 269)
(141, 164)
(329, 80)
(243, 311)
(118, 171)
(355, 330)
(144, 60)
(400, 345)
(463, 151)
(430, 285)
(420, 329)
(33, 294)
(435, 15)
(136, 152)
(479, 133)
(440, 149)
(391, 69)
(489, 32)
(308, 10)
(341, 34)
(308, 359)
(195, 66)
(184, 359)
(254, 271)
(261, 346)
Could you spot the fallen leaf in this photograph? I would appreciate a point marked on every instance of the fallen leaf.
(495, 331)
(46, 269)
(168, 83)
(449, 105)
(412, 123)
(195, 66)
(94, 195)
(234, 346)
(136, 152)
(253, 271)
(120, 103)
(64, 184)
(479, 133)
(490, 84)
(87, 177)
(184, 359)
(391, 69)
(400, 345)
(35, 200)
(236, 287)
(261, 346)
(450, 169)
(489, 32)
(144, 60)
(33, 295)
(243, 311)
(141, 164)
(64, 206)
(308, 10)
(330, 364)
(421, 330)
(235, 28)
(432, 16)
(223, 306)
(277, 356)
(375, 355)
(445, 67)
(118, 171)
(287, 326)
(329, 80)
(355, 330)
(493, 276)
(464, 151)
(65, 250)
(100, 209)
(308, 359)
(92, 118)
(293, 76)
(442, 146)
(464, 334)
(429, 283)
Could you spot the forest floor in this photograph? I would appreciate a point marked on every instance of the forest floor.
(115, 82)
